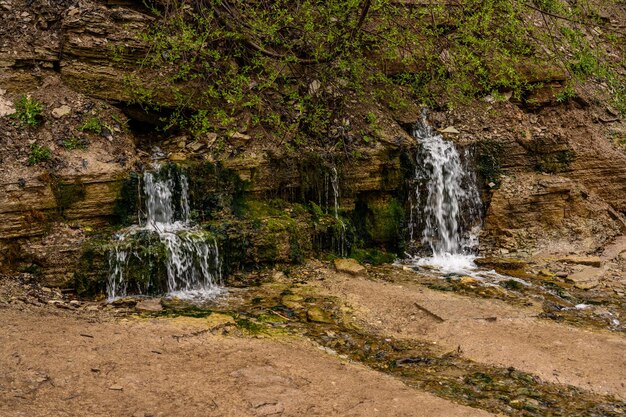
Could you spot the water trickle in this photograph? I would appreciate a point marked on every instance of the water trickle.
(341, 241)
(191, 258)
(445, 206)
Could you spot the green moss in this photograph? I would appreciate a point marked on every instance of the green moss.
(488, 161)
(215, 191)
(512, 284)
(68, 194)
(379, 221)
(92, 269)
(126, 204)
(249, 326)
(555, 163)
(373, 256)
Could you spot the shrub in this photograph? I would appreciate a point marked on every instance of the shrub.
(91, 125)
(38, 154)
(28, 111)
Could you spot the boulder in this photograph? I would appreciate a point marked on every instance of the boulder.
(349, 266)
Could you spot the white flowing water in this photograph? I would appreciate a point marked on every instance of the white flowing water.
(192, 262)
(445, 206)
(341, 244)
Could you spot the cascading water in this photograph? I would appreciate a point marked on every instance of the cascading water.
(334, 181)
(191, 259)
(446, 206)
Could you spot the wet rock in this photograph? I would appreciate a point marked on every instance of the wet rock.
(506, 264)
(468, 280)
(292, 301)
(128, 302)
(317, 315)
(217, 320)
(152, 305)
(349, 266)
(546, 273)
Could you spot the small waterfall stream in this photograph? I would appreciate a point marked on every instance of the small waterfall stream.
(341, 244)
(446, 206)
(191, 258)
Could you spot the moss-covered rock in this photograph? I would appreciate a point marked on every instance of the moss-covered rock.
(379, 221)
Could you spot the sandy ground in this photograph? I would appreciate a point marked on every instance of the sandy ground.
(87, 362)
(488, 331)
(68, 365)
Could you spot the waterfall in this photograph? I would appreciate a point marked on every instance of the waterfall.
(190, 259)
(445, 206)
(334, 181)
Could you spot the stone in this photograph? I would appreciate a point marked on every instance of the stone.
(450, 129)
(6, 107)
(218, 320)
(151, 305)
(177, 157)
(279, 276)
(61, 111)
(546, 273)
(291, 301)
(314, 87)
(349, 266)
(505, 264)
(196, 146)
(317, 315)
(239, 139)
(562, 274)
(594, 261)
(466, 280)
(116, 388)
(586, 279)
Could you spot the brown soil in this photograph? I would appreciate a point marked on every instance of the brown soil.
(90, 359)
(80, 363)
(487, 331)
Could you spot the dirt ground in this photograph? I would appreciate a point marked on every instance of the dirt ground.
(490, 331)
(86, 359)
(77, 365)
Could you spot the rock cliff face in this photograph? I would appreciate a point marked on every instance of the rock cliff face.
(557, 176)
(554, 174)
